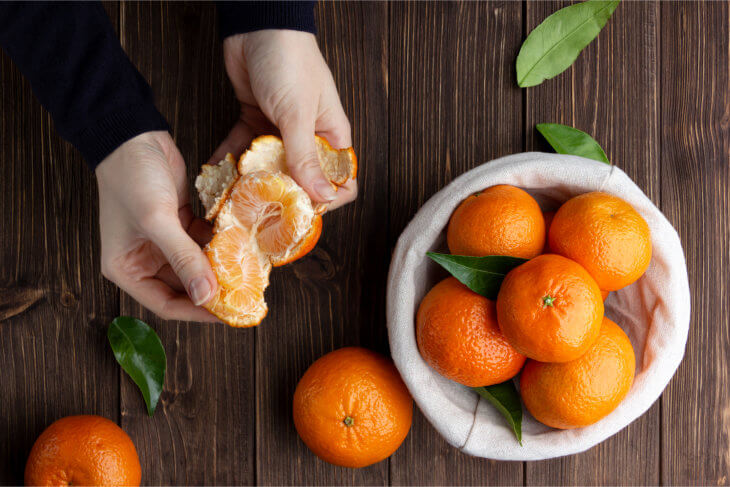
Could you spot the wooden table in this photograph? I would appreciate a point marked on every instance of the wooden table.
(431, 92)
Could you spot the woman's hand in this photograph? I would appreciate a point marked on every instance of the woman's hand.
(150, 241)
(284, 85)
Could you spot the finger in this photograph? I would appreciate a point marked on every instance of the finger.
(168, 276)
(334, 125)
(332, 122)
(257, 121)
(235, 142)
(159, 298)
(302, 159)
(345, 194)
(186, 259)
(201, 231)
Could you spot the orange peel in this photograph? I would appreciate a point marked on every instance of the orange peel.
(262, 218)
(214, 183)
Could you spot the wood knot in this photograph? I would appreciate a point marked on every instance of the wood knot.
(317, 265)
(68, 299)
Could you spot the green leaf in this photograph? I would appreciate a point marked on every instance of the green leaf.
(139, 351)
(505, 398)
(555, 44)
(569, 140)
(483, 275)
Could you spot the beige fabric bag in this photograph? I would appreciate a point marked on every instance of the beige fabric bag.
(654, 311)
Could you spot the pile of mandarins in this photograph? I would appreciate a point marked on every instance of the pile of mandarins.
(548, 320)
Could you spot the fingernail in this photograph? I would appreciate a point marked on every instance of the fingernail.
(199, 290)
(324, 190)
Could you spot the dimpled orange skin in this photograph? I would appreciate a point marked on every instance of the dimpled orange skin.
(501, 220)
(550, 309)
(83, 450)
(458, 336)
(356, 386)
(605, 235)
(579, 393)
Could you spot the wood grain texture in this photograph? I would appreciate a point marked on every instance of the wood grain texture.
(453, 105)
(695, 141)
(430, 90)
(54, 357)
(203, 429)
(610, 92)
(334, 297)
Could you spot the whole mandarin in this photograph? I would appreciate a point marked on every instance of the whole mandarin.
(458, 336)
(550, 309)
(580, 392)
(501, 220)
(604, 234)
(83, 450)
(351, 408)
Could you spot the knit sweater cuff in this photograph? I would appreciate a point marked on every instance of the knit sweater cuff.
(101, 139)
(241, 17)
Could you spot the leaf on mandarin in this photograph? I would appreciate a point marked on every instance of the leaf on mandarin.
(506, 400)
(483, 275)
(139, 351)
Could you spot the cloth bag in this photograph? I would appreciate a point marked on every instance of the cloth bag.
(654, 311)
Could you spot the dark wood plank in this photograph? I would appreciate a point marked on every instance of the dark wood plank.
(695, 115)
(203, 430)
(55, 305)
(335, 296)
(611, 93)
(454, 104)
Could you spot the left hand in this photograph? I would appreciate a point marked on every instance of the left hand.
(150, 240)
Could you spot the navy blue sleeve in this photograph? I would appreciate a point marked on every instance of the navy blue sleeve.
(241, 17)
(79, 72)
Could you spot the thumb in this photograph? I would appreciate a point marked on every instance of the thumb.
(187, 261)
(303, 162)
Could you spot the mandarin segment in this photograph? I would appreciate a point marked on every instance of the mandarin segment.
(276, 209)
(580, 392)
(243, 275)
(83, 450)
(501, 220)
(604, 234)
(351, 408)
(550, 309)
(458, 336)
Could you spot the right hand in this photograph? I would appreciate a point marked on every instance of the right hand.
(284, 85)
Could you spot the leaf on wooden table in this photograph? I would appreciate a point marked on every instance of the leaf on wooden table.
(139, 351)
(505, 398)
(483, 275)
(568, 140)
(555, 44)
